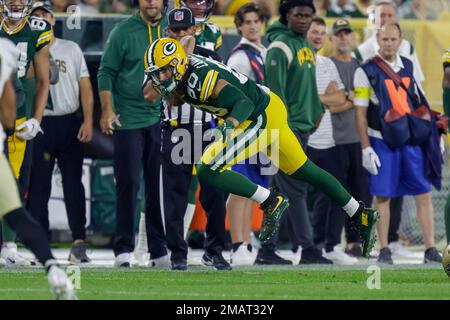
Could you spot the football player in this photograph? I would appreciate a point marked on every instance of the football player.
(208, 35)
(31, 36)
(255, 119)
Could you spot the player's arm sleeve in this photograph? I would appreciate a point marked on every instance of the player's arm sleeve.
(110, 62)
(45, 37)
(230, 97)
(219, 40)
(276, 68)
(363, 89)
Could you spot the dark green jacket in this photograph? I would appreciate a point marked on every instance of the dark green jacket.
(122, 70)
(290, 68)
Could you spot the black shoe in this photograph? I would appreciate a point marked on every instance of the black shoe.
(385, 256)
(313, 256)
(180, 265)
(269, 257)
(355, 251)
(432, 256)
(217, 261)
(78, 253)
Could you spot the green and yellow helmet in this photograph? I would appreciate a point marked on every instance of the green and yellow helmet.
(165, 53)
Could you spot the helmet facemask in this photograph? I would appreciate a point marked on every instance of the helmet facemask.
(15, 9)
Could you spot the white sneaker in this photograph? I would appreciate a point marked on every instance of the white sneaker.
(160, 263)
(338, 256)
(297, 256)
(123, 260)
(242, 256)
(12, 257)
(60, 284)
(399, 250)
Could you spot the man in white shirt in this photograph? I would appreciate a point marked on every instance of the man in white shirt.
(386, 12)
(328, 218)
(394, 171)
(63, 138)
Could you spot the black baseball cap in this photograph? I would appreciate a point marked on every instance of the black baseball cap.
(341, 24)
(44, 5)
(180, 18)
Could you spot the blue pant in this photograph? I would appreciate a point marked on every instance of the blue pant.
(402, 171)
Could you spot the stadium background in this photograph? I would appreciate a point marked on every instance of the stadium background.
(429, 38)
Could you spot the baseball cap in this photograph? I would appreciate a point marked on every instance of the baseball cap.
(341, 24)
(44, 5)
(180, 18)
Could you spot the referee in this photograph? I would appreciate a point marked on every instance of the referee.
(179, 123)
(63, 138)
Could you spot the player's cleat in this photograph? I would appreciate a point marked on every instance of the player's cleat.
(161, 262)
(313, 256)
(60, 284)
(78, 253)
(432, 256)
(242, 256)
(123, 260)
(12, 257)
(217, 261)
(385, 256)
(272, 216)
(339, 257)
(179, 265)
(270, 257)
(363, 221)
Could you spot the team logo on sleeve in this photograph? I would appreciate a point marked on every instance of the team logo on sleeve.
(170, 48)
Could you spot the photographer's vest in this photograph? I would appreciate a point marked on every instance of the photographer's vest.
(388, 94)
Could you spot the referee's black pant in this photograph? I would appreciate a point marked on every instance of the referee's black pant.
(177, 174)
(136, 150)
(59, 142)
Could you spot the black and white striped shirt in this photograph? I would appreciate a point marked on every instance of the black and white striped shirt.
(186, 114)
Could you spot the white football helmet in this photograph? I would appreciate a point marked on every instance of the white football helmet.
(15, 9)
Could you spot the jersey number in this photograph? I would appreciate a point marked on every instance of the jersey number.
(22, 63)
(37, 24)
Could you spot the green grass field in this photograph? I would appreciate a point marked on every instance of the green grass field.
(247, 283)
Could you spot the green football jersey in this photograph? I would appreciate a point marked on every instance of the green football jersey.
(29, 37)
(202, 76)
(209, 37)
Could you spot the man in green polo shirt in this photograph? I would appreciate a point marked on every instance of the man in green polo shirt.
(134, 124)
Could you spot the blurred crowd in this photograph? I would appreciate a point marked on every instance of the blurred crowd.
(407, 9)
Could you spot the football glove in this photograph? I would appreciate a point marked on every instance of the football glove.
(371, 162)
(29, 129)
